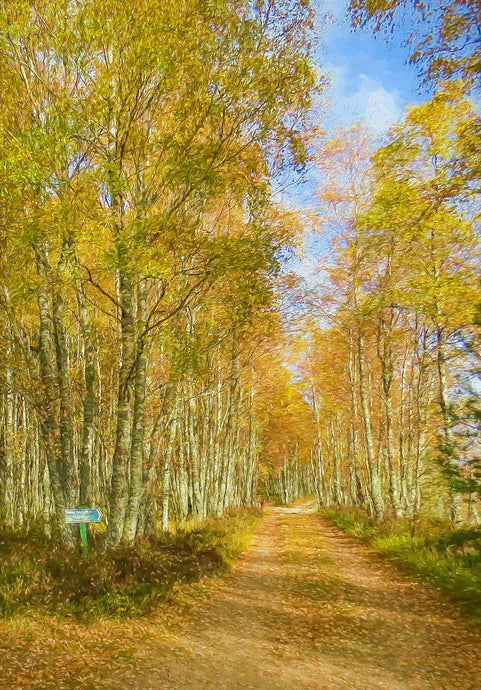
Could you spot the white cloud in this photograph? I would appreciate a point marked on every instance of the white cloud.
(377, 106)
(371, 102)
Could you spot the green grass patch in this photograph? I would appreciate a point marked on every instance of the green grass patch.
(448, 558)
(38, 577)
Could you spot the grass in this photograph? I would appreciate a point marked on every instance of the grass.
(448, 558)
(37, 577)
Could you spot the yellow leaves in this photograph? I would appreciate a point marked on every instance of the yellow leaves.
(287, 422)
(415, 221)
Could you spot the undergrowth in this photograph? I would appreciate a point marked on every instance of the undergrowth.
(41, 578)
(448, 558)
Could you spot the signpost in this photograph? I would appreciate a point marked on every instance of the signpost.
(82, 516)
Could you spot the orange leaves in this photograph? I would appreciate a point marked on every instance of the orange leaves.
(286, 421)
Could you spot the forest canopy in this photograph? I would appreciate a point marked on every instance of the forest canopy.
(157, 359)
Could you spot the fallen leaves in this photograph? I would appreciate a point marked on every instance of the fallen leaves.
(304, 607)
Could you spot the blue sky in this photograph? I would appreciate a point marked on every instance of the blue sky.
(371, 79)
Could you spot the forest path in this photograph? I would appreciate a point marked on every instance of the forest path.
(304, 607)
(308, 607)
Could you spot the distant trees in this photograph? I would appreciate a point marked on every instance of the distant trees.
(286, 426)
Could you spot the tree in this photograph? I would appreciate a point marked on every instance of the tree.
(137, 150)
(391, 326)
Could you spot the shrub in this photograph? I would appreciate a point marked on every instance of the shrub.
(128, 580)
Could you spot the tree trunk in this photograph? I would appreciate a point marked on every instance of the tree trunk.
(48, 421)
(385, 356)
(137, 446)
(88, 401)
(371, 464)
(120, 460)
(167, 470)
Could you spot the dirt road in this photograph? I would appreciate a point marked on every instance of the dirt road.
(305, 607)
